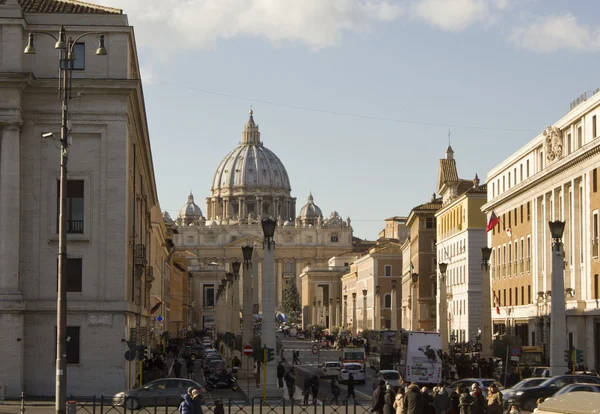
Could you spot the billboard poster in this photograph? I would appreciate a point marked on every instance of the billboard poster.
(424, 358)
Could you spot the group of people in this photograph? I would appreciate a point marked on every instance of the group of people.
(412, 400)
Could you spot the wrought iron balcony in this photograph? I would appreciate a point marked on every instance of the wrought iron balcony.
(140, 255)
(75, 226)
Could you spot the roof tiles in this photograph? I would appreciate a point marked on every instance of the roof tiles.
(64, 6)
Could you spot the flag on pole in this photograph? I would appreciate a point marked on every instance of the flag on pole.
(493, 222)
(497, 304)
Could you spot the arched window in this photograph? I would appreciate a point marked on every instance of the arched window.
(387, 301)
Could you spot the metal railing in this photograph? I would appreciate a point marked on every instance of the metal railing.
(75, 226)
(107, 405)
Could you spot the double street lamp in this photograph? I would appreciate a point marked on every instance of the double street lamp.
(558, 322)
(65, 45)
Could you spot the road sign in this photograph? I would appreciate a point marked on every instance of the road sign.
(515, 351)
(315, 349)
(248, 350)
(159, 318)
(514, 358)
(130, 355)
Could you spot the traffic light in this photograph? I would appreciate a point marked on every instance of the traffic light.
(579, 356)
(270, 354)
(567, 355)
(142, 349)
(258, 355)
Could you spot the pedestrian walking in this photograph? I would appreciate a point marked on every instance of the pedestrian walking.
(350, 388)
(388, 400)
(298, 358)
(188, 406)
(465, 401)
(177, 368)
(280, 374)
(378, 398)
(494, 400)
(399, 401)
(335, 391)
(413, 400)
(190, 368)
(479, 402)
(306, 390)
(290, 381)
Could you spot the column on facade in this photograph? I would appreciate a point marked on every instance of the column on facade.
(247, 317)
(314, 311)
(331, 314)
(354, 322)
(10, 200)
(226, 207)
(345, 312)
(319, 312)
(394, 319)
(338, 312)
(261, 285)
(280, 282)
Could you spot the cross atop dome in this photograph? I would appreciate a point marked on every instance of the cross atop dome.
(251, 134)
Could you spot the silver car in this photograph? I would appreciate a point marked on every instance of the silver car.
(390, 376)
(329, 369)
(157, 393)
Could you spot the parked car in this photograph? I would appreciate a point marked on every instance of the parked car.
(329, 369)
(540, 372)
(208, 358)
(578, 388)
(526, 398)
(391, 376)
(212, 366)
(483, 384)
(526, 383)
(299, 335)
(192, 352)
(353, 368)
(157, 393)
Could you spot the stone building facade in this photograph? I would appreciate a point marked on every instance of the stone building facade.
(553, 177)
(460, 237)
(109, 223)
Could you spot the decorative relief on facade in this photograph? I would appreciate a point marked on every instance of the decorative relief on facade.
(553, 143)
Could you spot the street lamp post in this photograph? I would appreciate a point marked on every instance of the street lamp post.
(345, 312)
(338, 313)
(558, 323)
(486, 304)
(67, 56)
(377, 309)
(415, 314)
(443, 306)
(354, 314)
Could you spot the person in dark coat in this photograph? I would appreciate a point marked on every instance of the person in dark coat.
(350, 388)
(388, 400)
(414, 403)
(455, 400)
(378, 398)
(335, 391)
(479, 401)
(177, 368)
(280, 374)
(188, 406)
(290, 381)
(441, 401)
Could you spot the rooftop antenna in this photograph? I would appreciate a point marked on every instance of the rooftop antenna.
(448, 136)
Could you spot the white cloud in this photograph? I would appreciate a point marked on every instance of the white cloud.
(167, 25)
(557, 32)
(456, 15)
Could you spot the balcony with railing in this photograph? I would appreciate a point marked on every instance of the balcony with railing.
(75, 226)
(140, 255)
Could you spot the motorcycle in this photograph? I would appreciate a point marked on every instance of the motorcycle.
(221, 381)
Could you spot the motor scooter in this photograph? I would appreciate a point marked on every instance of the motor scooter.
(222, 380)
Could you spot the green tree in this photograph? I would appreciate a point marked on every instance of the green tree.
(292, 306)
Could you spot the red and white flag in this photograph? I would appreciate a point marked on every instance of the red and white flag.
(497, 304)
(493, 222)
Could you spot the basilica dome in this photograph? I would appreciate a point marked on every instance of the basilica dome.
(310, 213)
(250, 166)
(190, 211)
(250, 181)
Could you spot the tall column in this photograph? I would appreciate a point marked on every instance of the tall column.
(319, 313)
(345, 312)
(261, 282)
(280, 282)
(394, 319)
(247, 317)
(414, 323)
(314, 312)
(442, 320)
(10, 201)
(486, 313)
(558, 339)
(255, 284)
(354, 321)
(331, 314)
(364, 321)
(240, 207)
(268, 337)
(338, 312)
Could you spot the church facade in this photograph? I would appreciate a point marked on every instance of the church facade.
(250, 183)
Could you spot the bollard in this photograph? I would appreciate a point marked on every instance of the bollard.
(22, 411)
(71, 407)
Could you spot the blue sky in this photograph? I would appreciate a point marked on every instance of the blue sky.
(356, 96)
